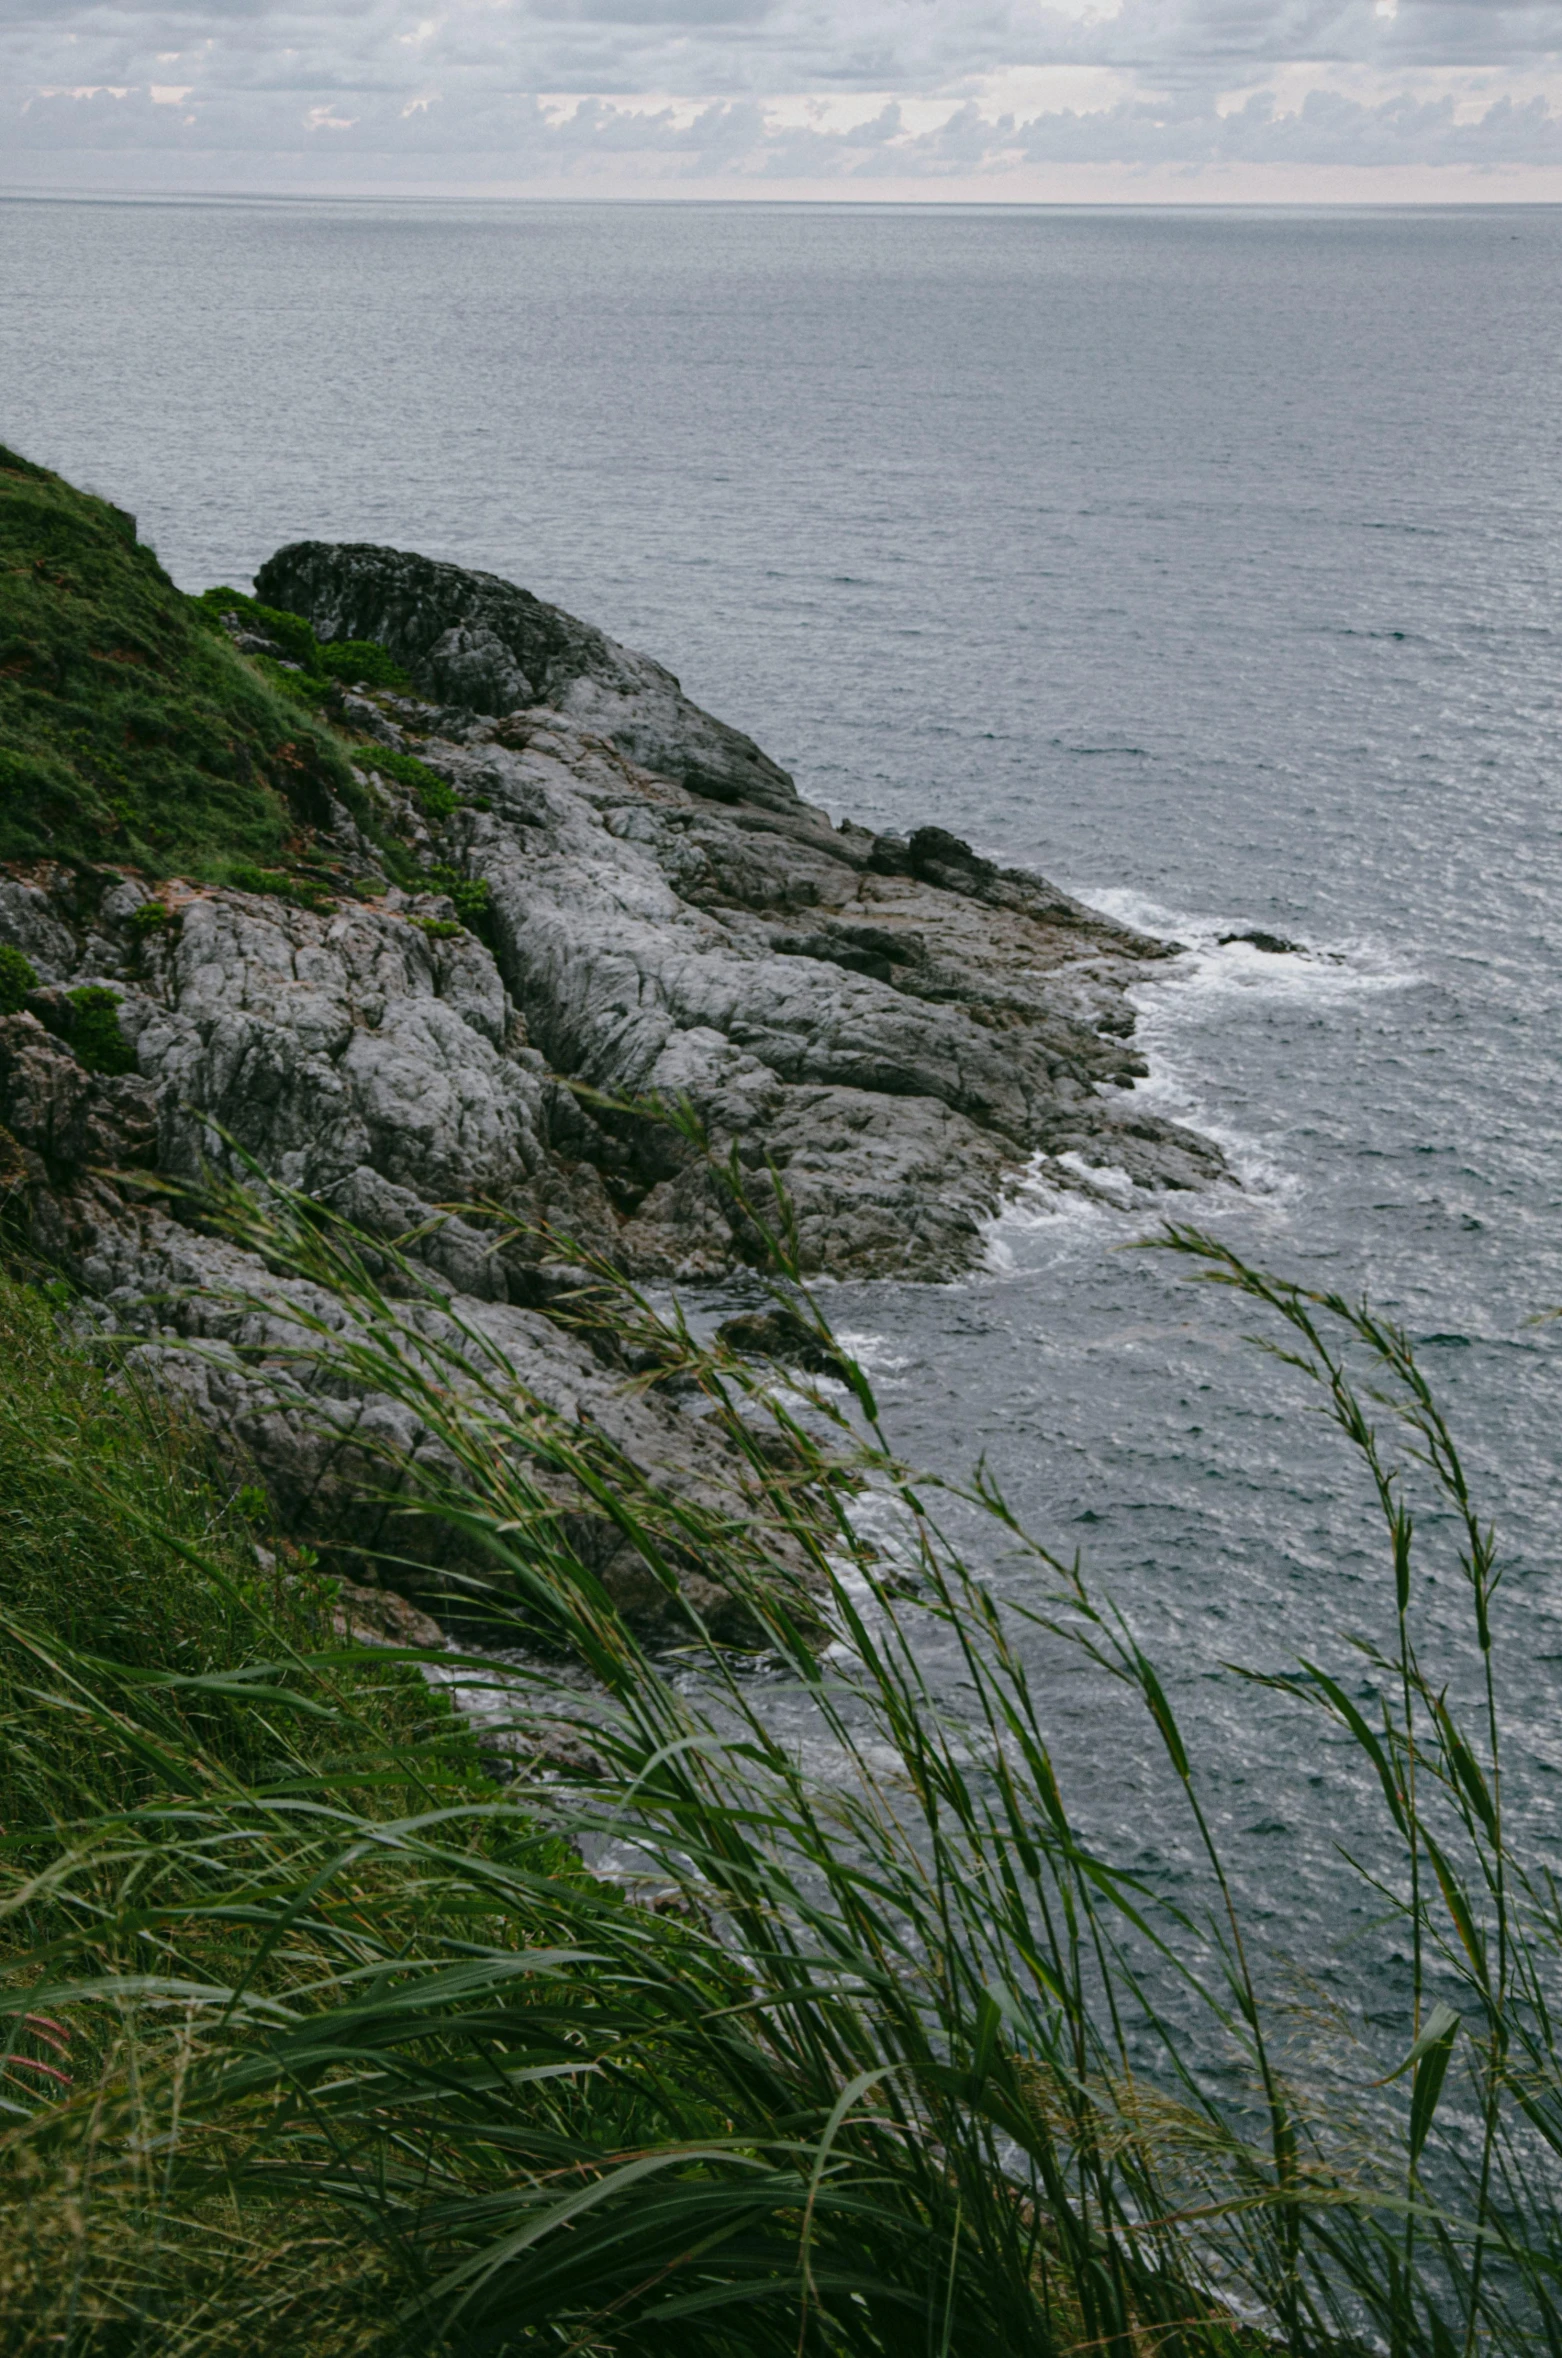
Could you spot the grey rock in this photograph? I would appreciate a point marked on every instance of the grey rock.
(898, 1033)
(29, 924)
(379, 1617)
(248, 641)
(69, 1119)
(471, 639)
(358, 1058)
(898, 1045)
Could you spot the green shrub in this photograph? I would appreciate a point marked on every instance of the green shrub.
(288, 631)
(363, 662)
(17, 978)
(292, 634)
(278, 885)
(438, 799)
(344, 662)
(438, 929)
(471, 894)
(95, 1035)
(151, 917)
(301, 687)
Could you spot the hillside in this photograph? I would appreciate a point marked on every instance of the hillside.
(130, 730)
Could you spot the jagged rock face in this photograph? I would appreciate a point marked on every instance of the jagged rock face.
(897, 1030)
(896, 1026)
(28, 924)
(472, 640)
(896, 1047)
(359, 1059)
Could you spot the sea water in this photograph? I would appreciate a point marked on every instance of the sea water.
(1207, 561)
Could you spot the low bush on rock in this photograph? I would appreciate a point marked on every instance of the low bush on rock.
(93, 1030)
(471, 894)
(277, 884)
(319, 665)
(437, 799)
(150, 918)
(17, 978)
(288, 634)
(363, 663)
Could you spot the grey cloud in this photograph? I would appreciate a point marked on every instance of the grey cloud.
(259, 68)
(737, 136)
(906, 45)
(1202, 42)
(667, 14)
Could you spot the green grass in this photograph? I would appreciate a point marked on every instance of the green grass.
(165, 1701)
(131, 731)
(121, 1544)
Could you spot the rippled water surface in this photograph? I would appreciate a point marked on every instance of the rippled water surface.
(1210, 563)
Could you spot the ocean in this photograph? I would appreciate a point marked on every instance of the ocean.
(1209, 562)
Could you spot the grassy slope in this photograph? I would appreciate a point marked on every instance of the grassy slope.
(130, 730)
(150, 1673)
(182, 1745)
(397, 2031)
(102, 1489)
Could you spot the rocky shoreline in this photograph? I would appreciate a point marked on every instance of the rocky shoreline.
(626, 900)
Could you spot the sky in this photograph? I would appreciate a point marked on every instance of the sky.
(1009, 101)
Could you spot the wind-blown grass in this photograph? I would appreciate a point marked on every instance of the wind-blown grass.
(154, 1673)
(873, 2077)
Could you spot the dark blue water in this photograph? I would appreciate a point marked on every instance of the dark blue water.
(1209, 562)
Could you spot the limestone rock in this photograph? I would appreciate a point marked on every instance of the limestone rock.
(472, 640)
(379, 1617)
(29, 924)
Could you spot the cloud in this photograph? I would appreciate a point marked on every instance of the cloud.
(842, 94)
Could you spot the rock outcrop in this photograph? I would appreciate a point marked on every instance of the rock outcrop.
(897, 1029)
(472, 641)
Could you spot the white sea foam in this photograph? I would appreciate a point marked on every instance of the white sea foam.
(1217, 962)
(1218, 975)
(875, 1352)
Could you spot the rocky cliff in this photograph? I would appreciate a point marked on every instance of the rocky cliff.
(607, 896)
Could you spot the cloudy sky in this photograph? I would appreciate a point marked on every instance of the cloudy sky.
(1013, 100)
